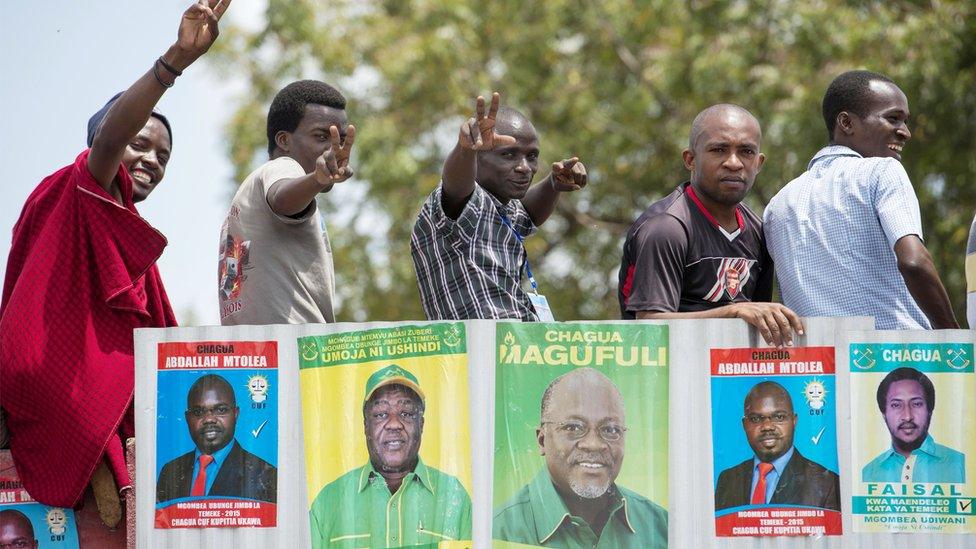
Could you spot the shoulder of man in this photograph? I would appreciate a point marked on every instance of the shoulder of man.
(810, 467)
(178, 463)
(517, 506)
(252, 461)
(446, 481)
(338, 488)
(949, 454)
(639, 502)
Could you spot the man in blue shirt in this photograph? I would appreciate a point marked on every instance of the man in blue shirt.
(906, 398)
(777, 473)
(846, 235)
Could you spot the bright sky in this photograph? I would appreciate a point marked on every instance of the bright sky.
(62, 61)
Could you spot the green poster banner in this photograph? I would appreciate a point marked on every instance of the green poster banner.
(409, 341)
(581, 429)
(924, 357)
(914, 441)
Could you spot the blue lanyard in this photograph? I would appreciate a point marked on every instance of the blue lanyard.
(528, 269)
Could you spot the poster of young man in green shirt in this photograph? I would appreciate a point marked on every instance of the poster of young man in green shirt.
(407, 481)
(570, 398)
(912, 452)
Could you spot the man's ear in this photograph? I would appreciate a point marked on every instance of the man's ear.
(688, 156)
(762, 160)
(283, 141)
(540, 437)
(846, 123)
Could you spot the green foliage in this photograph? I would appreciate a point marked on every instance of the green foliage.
(615, 82)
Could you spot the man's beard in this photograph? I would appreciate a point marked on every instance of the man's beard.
(589, 490)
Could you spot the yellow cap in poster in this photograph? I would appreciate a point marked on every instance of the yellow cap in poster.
(389, 375)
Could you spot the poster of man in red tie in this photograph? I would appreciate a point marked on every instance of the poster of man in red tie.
(774, 442)
(217, 435)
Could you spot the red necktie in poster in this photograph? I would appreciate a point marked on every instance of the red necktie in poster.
(200, 483)
(759, 494)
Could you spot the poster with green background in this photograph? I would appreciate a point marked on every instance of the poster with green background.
(630, 361)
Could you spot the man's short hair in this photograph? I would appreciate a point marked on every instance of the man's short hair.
(901, 374)
(210, 380)
(763, 386)
(586, 371)
(851, 92)
(698, 124)
(13, 515)
(288, 106)
(413, 396)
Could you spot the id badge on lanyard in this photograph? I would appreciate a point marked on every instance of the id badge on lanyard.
(539, 301)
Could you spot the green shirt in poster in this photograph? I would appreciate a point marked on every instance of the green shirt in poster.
(536, 515)
(357, 510)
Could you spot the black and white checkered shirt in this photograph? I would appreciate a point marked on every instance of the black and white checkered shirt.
(471, 267)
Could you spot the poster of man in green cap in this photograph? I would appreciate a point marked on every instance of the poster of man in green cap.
(411, 484)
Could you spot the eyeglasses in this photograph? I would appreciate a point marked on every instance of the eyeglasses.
(21, 543)
(220, 410)
(775, 417)
(577, 430)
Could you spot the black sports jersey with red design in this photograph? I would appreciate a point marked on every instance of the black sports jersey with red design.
(678, 258)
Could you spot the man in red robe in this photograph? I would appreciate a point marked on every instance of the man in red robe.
(80, 277)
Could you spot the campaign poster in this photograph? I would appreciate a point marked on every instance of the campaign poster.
(581, 435)
(387, 437)
(913, 437)
(26, 522)
(774, 440)
(217, 434)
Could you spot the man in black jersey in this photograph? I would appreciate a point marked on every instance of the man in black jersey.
(700, 252)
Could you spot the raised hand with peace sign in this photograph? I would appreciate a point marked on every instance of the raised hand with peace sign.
(478, 134)
(333, 166)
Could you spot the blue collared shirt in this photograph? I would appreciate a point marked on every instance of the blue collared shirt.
(214, 467)
(933, 463)
(832, 231)
(772, 478)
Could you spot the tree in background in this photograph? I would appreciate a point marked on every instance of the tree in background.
(617, 82)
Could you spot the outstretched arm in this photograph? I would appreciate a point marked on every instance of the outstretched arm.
(290, 197)
(461, 166)
(567, 176)
(197, 32)
(916, 267)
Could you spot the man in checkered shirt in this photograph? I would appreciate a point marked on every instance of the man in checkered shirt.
(846, 235)
(467, 241)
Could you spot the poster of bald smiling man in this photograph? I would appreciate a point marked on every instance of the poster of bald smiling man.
(774, 442)
(217, 435)
(581, 436)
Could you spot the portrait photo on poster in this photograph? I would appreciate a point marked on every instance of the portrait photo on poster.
(217, 435)
(25, 523)
(912, 448)
(387, 437)
(774, 437)
(581, 420)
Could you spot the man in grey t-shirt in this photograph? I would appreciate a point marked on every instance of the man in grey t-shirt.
(275, 264)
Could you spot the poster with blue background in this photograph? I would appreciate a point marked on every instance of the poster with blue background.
(774, 435)
(217, 434)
